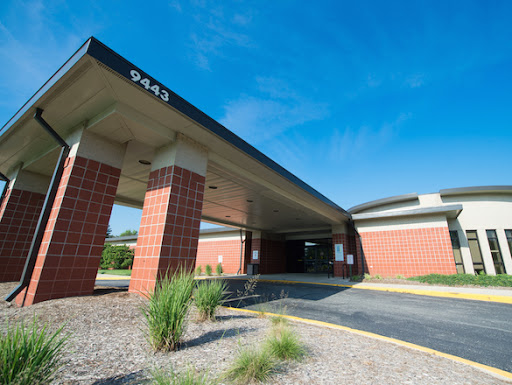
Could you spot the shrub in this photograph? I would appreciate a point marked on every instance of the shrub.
(167, 309)
(218, 269)
(198, 270)
(251, 365)
(30, 356)
(278, 320)
(285, 345)
(465, 279)
(400, 276)
(378, 276)
(355, 278)
(116, 257)
(367, 276)
(208, 296)
(189, 377)
(208, 270)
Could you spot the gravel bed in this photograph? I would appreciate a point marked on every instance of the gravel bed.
(107, 346)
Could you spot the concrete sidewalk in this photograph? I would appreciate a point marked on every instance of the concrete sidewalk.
(501, 295)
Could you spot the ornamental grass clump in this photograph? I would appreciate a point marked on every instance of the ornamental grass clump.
(198, 270)
(251, 364)
(208, 270)
(188, 377)
(218, 269)
(284, 344)
(166, 310)
(208, 296)
(30, 355)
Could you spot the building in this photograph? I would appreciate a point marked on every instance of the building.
(102, 131)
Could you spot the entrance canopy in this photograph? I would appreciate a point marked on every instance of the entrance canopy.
(101, 92)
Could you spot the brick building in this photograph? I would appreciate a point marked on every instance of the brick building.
(102, 131)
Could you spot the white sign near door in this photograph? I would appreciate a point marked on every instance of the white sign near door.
(338, 252)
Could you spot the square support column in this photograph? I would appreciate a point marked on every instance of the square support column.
(271, 250)
(19, 214)
(171, 216)
(70, 252)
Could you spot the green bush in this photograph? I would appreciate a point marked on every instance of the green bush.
(367, 276)
(208, 270)
(166, 310)
(208, 296)
(252, 365)
(284, 344)
(116, 257)
(198, 270)
(29, 355)
(218, 269)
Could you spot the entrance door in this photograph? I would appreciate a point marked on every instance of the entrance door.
(317, 257)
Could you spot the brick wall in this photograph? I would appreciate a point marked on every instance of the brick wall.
(19, 214)
(209, 250)
(350, 246)
(272, 255)
(409, 252)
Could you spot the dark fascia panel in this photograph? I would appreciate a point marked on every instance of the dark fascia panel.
(117, 63)
(476, 190)
(451, 211)
(133, 238)
(383, 201)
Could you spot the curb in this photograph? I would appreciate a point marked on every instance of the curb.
(490, 369)
(430, 293)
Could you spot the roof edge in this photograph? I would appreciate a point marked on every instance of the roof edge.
(505, 189)
(453, 209)
(383, 201)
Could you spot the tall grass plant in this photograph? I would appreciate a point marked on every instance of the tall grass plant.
(166, 310)
(30, 355)
(208, 296)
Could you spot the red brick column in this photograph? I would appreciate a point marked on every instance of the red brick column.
(169, 230)
(339, 266)
(271, 255)
(19, 214)
(70, 253)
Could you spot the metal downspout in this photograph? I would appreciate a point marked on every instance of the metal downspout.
(45, 211)
(7, 181)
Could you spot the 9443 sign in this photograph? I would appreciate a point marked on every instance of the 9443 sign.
(146, 83)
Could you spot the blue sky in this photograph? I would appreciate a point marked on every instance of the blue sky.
(361, 100)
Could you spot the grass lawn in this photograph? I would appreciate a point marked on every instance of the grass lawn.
(502, 280)
(125, 273)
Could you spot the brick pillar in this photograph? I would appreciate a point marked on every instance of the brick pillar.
(271, 253)
(19, 214)
(171, 216)
(69, 256)
(340, 236)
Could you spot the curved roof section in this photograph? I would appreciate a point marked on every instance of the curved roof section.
(383, 201)
(476, 190)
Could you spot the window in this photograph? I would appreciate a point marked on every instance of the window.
(508, 234)
(476, 254)
(454, 236)
(495, 251)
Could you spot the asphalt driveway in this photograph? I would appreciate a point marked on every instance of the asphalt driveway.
(475, 330)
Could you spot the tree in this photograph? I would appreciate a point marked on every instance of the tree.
(128, 232)
(116, 257)
(109, 232)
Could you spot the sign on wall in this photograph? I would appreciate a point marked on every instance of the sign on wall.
(338, 252)
(220, 258)
(255, 254)
(350, 259)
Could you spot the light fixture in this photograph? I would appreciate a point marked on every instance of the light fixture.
(213, 187)
(228, 216)
(250, 200)
(144, 162)
(276, 211)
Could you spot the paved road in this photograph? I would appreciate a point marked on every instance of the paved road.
(475, 330)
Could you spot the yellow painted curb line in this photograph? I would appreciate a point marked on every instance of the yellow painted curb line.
(492, 370)
(120, 278)
(431, 293)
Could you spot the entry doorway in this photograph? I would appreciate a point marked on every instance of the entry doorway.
(308, 256)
